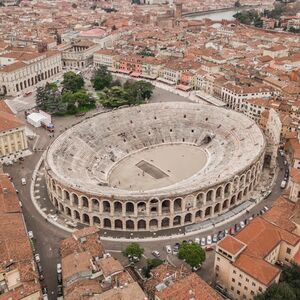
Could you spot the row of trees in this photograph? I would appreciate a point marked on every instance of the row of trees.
(113, 94)
(70, 98)
(287, 288)
(249, 17)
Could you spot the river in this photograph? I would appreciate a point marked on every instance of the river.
(215, 16)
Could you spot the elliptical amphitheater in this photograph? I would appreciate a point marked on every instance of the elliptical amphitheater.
(154, 166)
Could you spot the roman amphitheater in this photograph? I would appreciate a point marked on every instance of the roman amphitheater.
(154, 166)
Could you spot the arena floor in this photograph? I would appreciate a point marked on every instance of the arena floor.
(156, 167)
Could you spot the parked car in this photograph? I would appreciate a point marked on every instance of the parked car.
(30, 234)
(59, 278)
(175, 250)
(266, 208)
(226, 232)
(215, 238)
(168, 249)
(221, 234)
(195, 269)
(208, 240)
(203, 241)
(209, 248)
(242, 224)
(58, 268)
(23, 181)
(232, 231)
(59, 291)
(283, 184)
(156, 253)
(37, 258)
(197, 240)
(237, 227)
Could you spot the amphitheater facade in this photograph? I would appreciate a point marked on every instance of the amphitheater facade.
(154, 166)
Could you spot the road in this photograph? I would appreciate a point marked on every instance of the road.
(48, 236)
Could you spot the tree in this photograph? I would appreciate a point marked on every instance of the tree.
(72, 82)
(193, 254)
(101, 78)
(151, 263)
(280, 291)
(113, 97)
(134, 249)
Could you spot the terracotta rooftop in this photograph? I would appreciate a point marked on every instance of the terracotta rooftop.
(110, 266)
(190, 287)
(9, 121)
(231, 245)
(295, 175)
(85, 232)
(4, 107)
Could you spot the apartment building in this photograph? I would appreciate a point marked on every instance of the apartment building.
(294, 185)
(13, 141)
(245, 264)
(20, 71)
(104, 57)
(235, 96)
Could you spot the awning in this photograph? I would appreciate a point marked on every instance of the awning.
(135, 74)
(123, 71)
(183, 87)
(166, 81)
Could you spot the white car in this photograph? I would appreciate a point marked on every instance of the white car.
(208, 240)
(156, 253)
(37, 258)
(266, 208)
(197, 241)
(23, 181)
(203, 242)
(168, 249)
(283, 184)
(58, 268)
(242, 224)
(30, 234)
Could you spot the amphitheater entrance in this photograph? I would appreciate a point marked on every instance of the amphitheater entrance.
(158, 166)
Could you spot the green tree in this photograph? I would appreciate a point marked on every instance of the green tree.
(281, 291)
(151, 263)
(139, 90)
(291, 275)
(113, 97)
(72, 82)
(101, 78)
(134, 249)
(193, 254)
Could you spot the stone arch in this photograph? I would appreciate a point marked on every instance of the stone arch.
(95, 204)
(55, 202)
(200, 199)
(209, 196)
(68, 211)
(242, 180)
(219, 192)
(225, 204)
(178, 204)
(232, 200)
(198, 215)
(118, 207)
(217, 208)
(118, 224)
(177, 221)
(59, 191)
(84, 201)
(188, 218)
(76, 215)
(106, 223)
(96, 220)
(61, 207)
(248, 176)
(165, 222)
(154, 205)
(227, 189)
(141, 207)
(245, 191)
(75, 199)
(153, 224)
(141, 224)
(239, 197)
(165, 206)
(251, 186)
(66, 195)
(130, 224)
(129, 207)
(236, 182)
(106, 206)
(208, 211)
(86, 218)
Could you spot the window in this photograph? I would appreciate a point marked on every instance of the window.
(232, 279)
(241, 276)
(232, 288)
(252, 293)
(253, 284)
(245, 288)
(260, 289)
(247, 279)
(288, 250)
(234, 271)
(218, 258)
(239, 284)
(238, 292)
(217, 268)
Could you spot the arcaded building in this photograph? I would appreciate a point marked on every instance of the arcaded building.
(154, 166)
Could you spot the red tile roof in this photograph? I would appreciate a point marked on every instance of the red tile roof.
(9, 121)
(231, 245)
